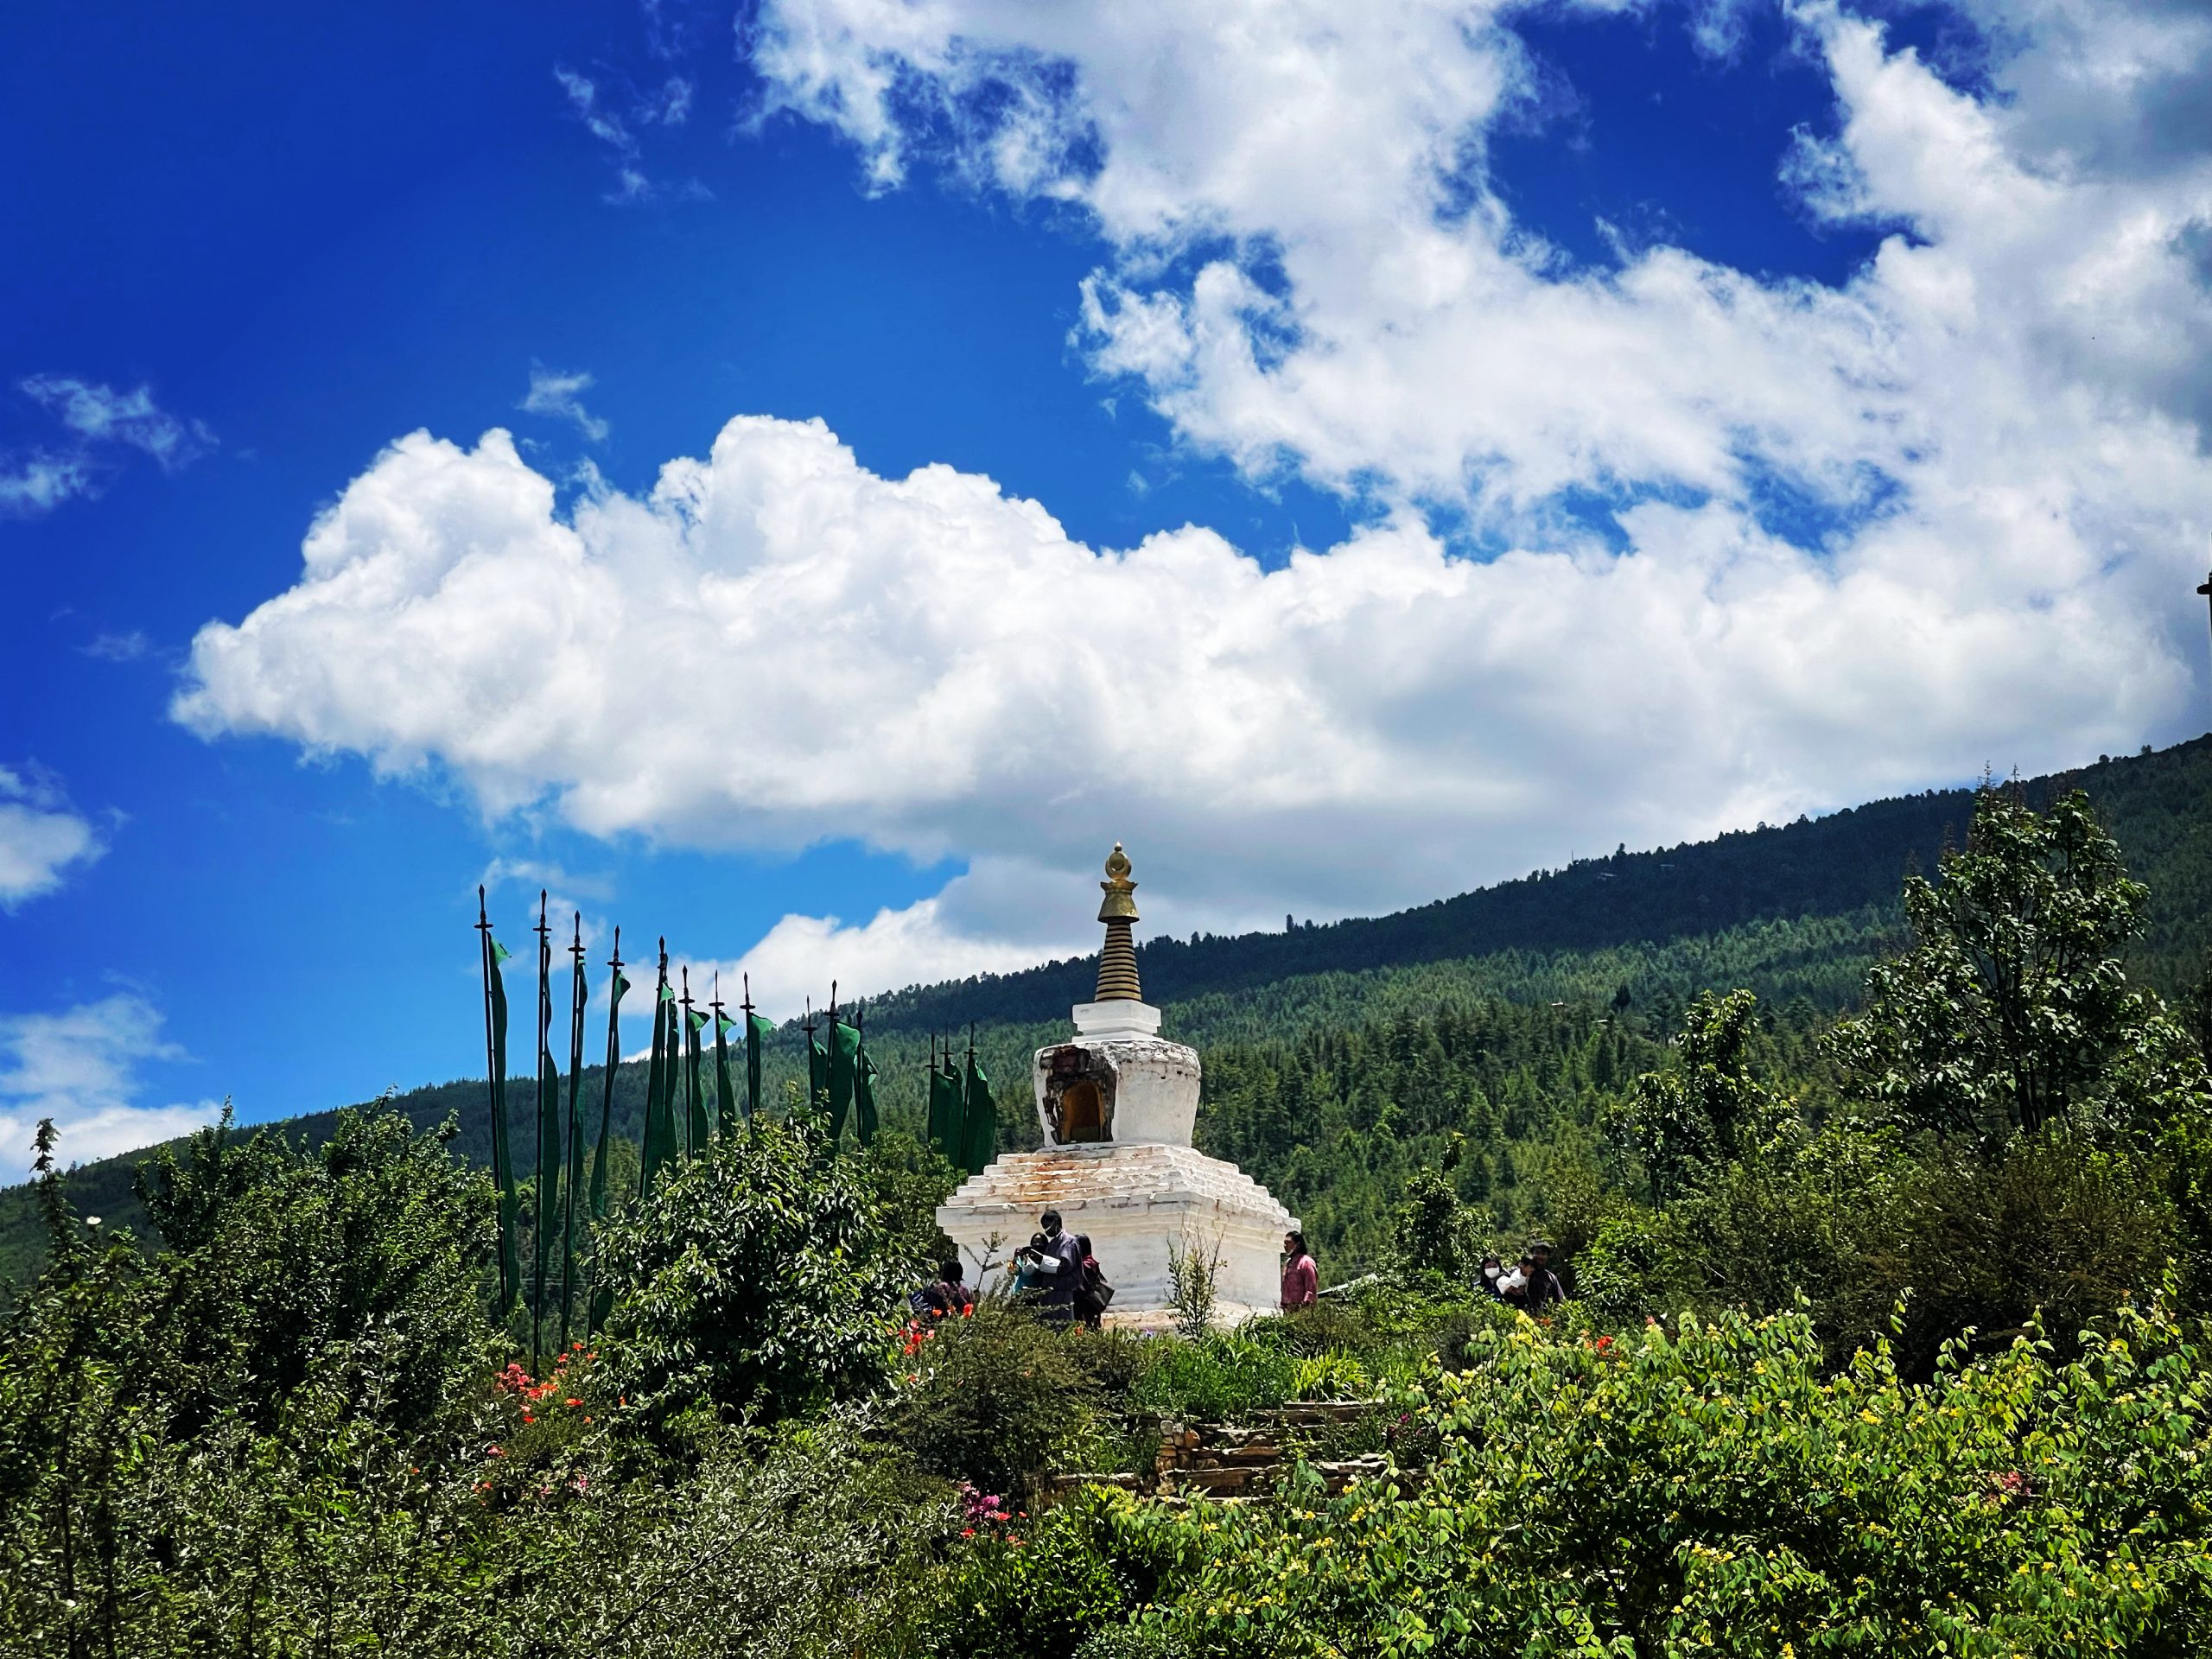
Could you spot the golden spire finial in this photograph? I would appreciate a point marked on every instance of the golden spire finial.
(1121, 904)
(1117, 963)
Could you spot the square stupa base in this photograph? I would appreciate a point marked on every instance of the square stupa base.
(1133, 1202)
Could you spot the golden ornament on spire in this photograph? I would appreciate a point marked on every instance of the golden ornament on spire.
(1117, 963)
(1121, 904)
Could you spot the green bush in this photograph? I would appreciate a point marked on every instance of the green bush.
(1714, 1491)
(994, 1400)
(280, 1258)
(754, 1283)
(1219, 1375)
(2043, 1227)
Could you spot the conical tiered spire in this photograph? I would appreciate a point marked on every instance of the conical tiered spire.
(1117, 963)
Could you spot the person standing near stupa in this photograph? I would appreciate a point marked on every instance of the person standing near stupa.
(1301, 1280)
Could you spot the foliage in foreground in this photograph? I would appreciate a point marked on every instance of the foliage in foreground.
(1712, 1490)
(754, 1283)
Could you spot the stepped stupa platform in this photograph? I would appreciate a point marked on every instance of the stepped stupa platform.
(1117, 1105)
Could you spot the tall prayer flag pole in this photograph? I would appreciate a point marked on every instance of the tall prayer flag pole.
(695, 1121)
(495, 1064)
(725, 1097)
(549, 1131)
(579, 994)
(864, 1075)
(652, 1149)
(758, 1030)
(616, 985)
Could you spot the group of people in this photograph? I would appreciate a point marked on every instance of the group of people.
(1056, 1274)
(1529, 1284)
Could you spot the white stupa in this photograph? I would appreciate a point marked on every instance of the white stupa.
(1116, 1105)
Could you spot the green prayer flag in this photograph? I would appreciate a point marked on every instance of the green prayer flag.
(573, 1178)
(818, 1073)
(844, 1053)
(548, 1142)
(725, 1097)
(694, 1100)
(758, 1030)
(864, 1118)
(603, 1150)
(595, 1309)
(944, 1118)
(980, 1121)
(671, 1137)
(654, 1152)
(502, 1166)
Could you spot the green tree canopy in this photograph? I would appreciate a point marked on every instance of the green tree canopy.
(2012, 1009)
(758, 1280)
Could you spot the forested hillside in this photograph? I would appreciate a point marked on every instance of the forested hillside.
(1846, 862)
(1501, 1017)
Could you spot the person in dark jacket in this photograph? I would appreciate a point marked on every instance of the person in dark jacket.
(1053, 1270)
(1542, 1290)
(1091, 1294)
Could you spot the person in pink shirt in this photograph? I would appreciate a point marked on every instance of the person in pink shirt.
(1301, 1280)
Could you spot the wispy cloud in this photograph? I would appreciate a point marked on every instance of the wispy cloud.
(128, 646)
(104, 415)
(82, 1067)
(41, 836)
(103, 425)
(557, 395)
(668, 106)
(37, 483)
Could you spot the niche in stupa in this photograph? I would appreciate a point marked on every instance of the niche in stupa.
(1079, 1103)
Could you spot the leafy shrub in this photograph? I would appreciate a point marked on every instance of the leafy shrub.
(1616, 1276)
(1716, 1491)
(1219, 1375)
(280, 1257)
(754, 1283)
(1110, 1362)
(1325, 1328)
(2042, 1226)
(1061, 1590)
(993, 1400)
(1329, 1376)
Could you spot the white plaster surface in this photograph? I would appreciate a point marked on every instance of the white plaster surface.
(1122, 1018)
(1155, 1088)
(1132, 1201)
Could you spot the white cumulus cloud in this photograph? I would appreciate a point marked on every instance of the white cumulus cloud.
(81, 1067)
(42, 836)
(776, 646)
(1311, 267)
(1994, 433)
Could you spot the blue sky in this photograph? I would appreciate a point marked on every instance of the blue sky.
(1358, 460)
